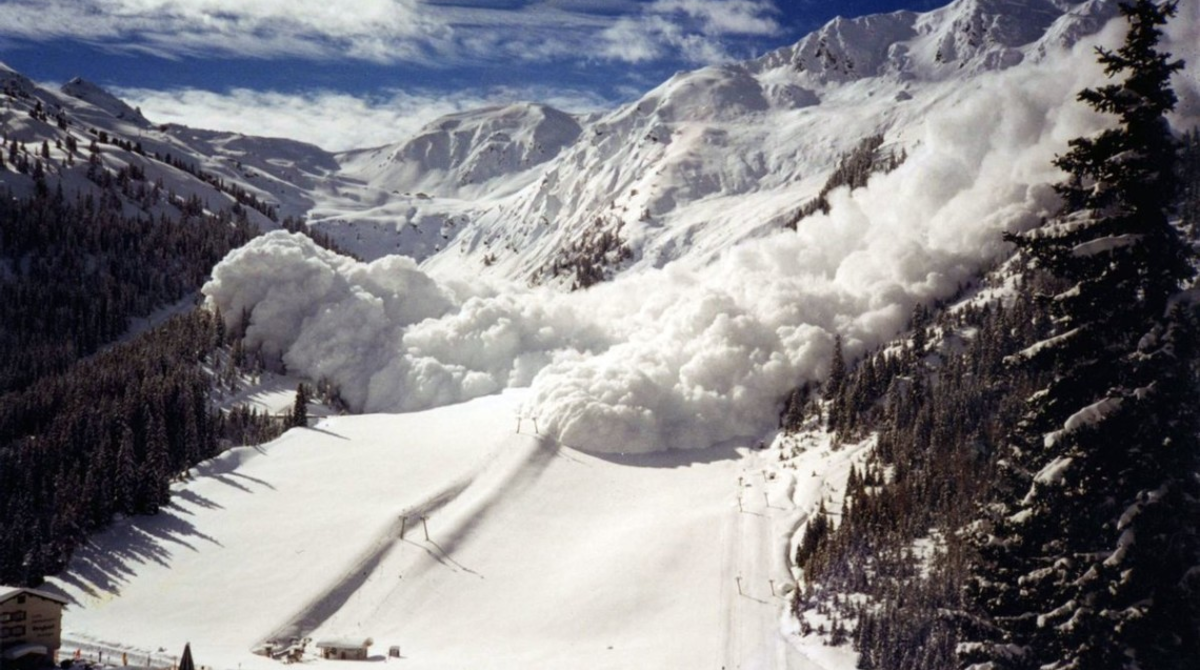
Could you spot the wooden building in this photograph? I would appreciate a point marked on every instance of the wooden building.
(30, 625)
(344, 649)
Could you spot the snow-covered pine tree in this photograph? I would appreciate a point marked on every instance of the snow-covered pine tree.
(1088, 559)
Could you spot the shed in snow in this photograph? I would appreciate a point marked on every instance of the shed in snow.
(344, 648)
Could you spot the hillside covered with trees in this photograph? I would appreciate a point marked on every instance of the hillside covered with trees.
(1032, 497)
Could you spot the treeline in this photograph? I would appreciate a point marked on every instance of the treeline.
(107, 437)
(68, 143)
(322, 239)
(939, 405)
(72, 274)
(88, 432)
(241, 196)
(1033, 496)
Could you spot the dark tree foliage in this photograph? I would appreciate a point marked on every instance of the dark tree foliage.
(853, 170)
(72, 274)
(299, 414)
(939, 418)
(107, 437)
(323, 240)
(837, 370)
(1188, 170)
(592, 258)
(1089, 552)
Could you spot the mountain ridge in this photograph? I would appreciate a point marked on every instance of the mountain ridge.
(525, 192)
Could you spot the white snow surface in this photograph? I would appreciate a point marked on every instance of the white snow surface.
(97, 96)
(1087, 416)
(537, 555)
(1054, 471)
(461, 154)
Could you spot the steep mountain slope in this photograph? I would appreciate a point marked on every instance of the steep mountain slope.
(461, 155)
(708, 158)
(271, 178)
(701, 162)
(965, 37)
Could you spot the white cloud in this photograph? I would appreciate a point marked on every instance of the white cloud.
(378, 30)
(724, 17)
(332, 120)
(696, 31)
(387, 31)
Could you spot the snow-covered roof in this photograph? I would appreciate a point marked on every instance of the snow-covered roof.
(7, 592)
(344, 643)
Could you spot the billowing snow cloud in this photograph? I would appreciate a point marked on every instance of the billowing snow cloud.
(682, 358)
(386, 332)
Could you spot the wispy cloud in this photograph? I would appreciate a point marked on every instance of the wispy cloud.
(400, 31)
(333, 120)
(696, 31)
(378, 30)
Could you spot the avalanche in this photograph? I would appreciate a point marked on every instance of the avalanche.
(616, 534)
(690, 354)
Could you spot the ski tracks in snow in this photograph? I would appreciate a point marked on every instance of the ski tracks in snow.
(750, 609)
(512, 466)
(768, 506)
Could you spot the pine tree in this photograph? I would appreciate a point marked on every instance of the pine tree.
(299, 417)
(835, 384)
(1085, 557)
(837, 370)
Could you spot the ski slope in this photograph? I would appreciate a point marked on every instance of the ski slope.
(538, 555)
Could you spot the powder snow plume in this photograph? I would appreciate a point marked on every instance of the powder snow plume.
(681, 357)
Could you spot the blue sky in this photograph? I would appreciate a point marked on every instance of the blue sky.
(302, 68)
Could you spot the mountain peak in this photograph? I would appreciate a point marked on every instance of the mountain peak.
(965, 36)
(466, 150)
(85, 90)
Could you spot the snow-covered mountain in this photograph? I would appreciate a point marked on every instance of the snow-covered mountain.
(268, 175)
(461, 154)
(705, 173)
(704, 160)
(965, 37)
(651, 394)
(708, 158)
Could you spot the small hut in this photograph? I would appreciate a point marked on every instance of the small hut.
(344, 648)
